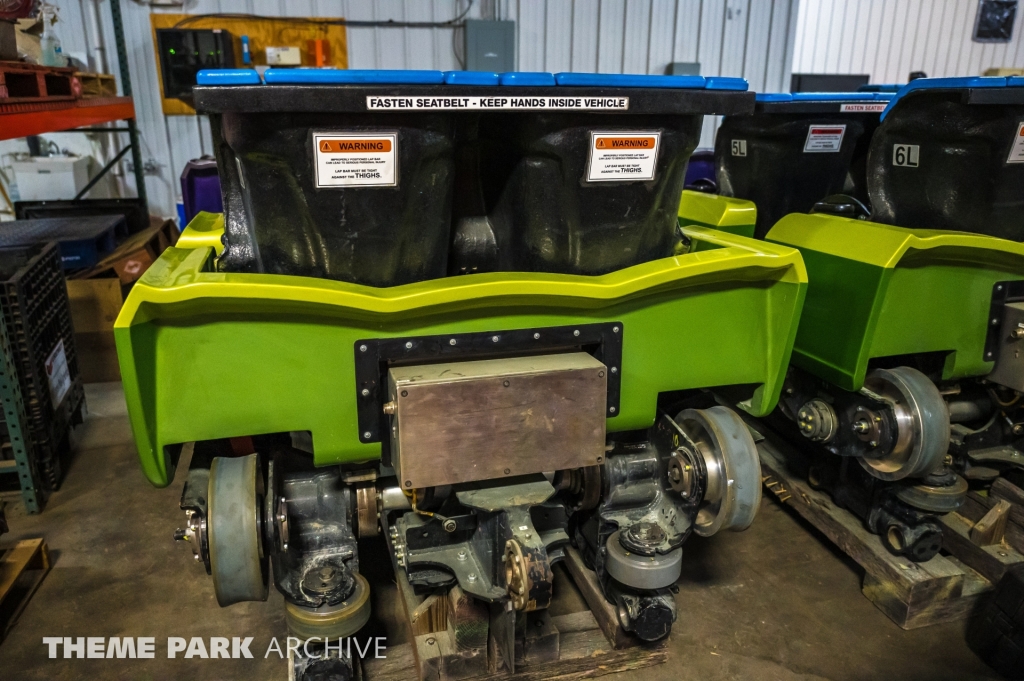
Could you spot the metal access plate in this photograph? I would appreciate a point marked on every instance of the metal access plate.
(496, 418)
(1009, 349)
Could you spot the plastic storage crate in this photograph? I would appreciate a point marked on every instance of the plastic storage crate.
(83, 240)
(35, 306)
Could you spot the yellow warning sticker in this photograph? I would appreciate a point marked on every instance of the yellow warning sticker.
(623, 156)
(355, 159)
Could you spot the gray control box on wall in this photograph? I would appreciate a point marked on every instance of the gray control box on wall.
(490, 45)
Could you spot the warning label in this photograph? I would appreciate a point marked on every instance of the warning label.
(1017, 148)
(866, 108)
(618, 156)
(823, 139)
(57, 374)
(508, 103)
(355, 160)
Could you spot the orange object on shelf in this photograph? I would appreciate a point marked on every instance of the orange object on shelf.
(35, 118)
(319, 52)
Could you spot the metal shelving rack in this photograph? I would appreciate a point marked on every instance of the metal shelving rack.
(21, 120)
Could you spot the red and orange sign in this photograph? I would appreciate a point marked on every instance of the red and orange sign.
(625, 142)
(355, 146)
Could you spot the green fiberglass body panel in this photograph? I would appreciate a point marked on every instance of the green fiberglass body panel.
(735, 216)
(208, 355)
(881, 291)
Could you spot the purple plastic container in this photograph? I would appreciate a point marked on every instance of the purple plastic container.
(200, 188)
(700, 173)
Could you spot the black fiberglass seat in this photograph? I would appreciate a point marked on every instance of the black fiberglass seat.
(796, 149)
(949, 154)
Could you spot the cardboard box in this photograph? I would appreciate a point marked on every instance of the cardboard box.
(95, 304)
(133, 257)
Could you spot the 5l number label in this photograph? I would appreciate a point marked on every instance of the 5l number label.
(906, 155)
(739, 147)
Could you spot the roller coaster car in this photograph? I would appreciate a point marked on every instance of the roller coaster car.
(907, 362)
(337, 384)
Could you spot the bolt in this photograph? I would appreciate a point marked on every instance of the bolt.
(505, 383)
(367, 435)
(873, 443)
(994, 322)
(614, 370)
(1018, 333)
(408, 483)
(600, 374)
(861, 426)
(408, 345)
(327, 573)
(430, 641)
(362, 348)
(365, 392)
(615, 329)
(536, 336)
(1018, 429)
(471, 577)
(507, 471)
(389, 408)
(449, 525)
(611, 409)
(462, 555)
(495, 339)
(576, 332)
(452, 342)
(405, 393)
(999, 287)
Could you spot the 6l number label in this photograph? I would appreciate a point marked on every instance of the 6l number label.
(906, 155)
(739, 147)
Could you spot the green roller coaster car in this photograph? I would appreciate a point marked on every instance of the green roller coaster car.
(208, 355)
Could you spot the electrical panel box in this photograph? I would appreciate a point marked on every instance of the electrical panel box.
(490, 46)
(184, 52)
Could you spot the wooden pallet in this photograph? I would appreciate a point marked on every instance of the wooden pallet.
(97, 84)
(22, 568)
(451, 639)
(943, 589)
(22, 83)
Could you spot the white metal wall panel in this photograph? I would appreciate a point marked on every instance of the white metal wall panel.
(748, 38)
(887, 39)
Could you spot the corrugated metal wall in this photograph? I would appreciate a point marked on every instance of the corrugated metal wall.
(748, 38)
(888, 39)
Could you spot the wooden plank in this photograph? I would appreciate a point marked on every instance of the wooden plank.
(992, 526)
(583, 649)
(585, 655)
(911, 594)
(975, 507)
(605, 613)
(1004, 489)
(991, 562)
(26, 555)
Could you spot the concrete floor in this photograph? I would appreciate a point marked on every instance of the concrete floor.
(775, 602)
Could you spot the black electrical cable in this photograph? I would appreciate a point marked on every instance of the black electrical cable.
(455, 22)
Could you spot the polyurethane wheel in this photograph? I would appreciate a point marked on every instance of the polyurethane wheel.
(338, 621)
(922, 422)
(733, 492)
(238, 562)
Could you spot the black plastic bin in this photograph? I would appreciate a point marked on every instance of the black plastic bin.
(796, 149)
(83, 240)
(37, 313)
(452, 173)
(949, 154)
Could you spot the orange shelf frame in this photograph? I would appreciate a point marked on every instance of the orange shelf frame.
(21, 120)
